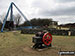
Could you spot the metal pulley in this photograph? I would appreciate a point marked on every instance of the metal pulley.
(47, 39)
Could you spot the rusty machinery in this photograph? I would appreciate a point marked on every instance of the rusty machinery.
(42, 40)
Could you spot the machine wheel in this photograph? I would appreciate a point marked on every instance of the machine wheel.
(47, 39)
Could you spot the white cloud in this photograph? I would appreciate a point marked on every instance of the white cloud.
(64, 1)
(58, 9)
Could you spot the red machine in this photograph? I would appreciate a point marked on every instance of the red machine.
(42, 40)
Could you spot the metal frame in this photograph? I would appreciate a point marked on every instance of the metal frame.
(10, 9)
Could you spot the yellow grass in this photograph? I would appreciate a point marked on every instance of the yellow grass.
(16, 44)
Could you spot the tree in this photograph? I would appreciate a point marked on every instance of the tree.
(17, 19)
(38, 22)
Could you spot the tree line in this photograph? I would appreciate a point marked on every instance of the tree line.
(37, 22)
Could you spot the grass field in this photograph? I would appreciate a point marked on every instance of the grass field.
(16, 44)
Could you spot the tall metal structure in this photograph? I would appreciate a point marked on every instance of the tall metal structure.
(10, 9)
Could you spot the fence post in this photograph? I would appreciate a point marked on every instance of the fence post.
(69, 33)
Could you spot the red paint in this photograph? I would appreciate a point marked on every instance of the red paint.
(47, 39)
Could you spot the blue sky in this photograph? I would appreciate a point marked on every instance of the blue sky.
(62, 11)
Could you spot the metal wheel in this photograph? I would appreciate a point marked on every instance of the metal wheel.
(47, 39)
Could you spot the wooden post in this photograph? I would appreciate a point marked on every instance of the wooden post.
(69, 33)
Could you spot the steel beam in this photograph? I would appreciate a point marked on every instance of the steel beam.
(11, 15)
(4, 21)
(22, 14)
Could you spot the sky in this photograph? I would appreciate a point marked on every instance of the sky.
(62, 11)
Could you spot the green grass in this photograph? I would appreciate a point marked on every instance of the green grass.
(16, 44)
(64, 42)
